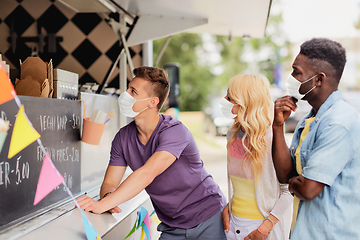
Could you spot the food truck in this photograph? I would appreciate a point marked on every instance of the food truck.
(51, 51)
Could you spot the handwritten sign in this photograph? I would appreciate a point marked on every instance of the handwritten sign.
(59, 123)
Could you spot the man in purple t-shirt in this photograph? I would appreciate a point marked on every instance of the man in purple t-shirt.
(165, 161)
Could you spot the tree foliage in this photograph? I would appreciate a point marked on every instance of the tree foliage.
(254, 55)
(196, 79)
(231, 63)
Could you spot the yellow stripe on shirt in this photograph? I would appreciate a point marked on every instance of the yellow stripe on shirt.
(244, 201)
(299, 167)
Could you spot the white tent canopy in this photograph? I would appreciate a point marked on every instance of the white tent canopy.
(161, 18)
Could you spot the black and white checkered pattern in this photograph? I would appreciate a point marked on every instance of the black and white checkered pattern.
(84, 42)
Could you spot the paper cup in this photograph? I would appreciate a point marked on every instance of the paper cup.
(92, 132)
(2, 139)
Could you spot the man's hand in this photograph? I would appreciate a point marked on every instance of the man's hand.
(91, 205)
(283, 108)
(114, 210)
(291, 190)
(226, 218)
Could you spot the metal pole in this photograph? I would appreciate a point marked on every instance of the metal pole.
(122, 85)
(128, 56)
(102, 85)
(166, 43)
(114, 66)
(122, 9)
(109, 73)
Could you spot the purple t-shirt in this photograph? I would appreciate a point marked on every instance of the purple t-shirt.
(184, 195)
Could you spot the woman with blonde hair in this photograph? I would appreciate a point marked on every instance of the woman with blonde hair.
(259, 206)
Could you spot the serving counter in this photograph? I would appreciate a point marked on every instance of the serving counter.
(65, 222)
(83, 166)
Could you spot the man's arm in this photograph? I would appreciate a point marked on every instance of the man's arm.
(280, 151)
(112, 179)
(330, 154)
(305, 189)
(141, 178)
(132, 185)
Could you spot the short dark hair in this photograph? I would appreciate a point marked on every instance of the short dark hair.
(323, 49)
(158, 79)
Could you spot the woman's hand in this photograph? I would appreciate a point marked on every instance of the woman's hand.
(255, 235)
(226, 218)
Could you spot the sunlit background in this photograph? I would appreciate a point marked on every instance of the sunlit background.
(87, 44)
(208, 61)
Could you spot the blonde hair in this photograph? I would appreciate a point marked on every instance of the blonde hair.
(255, 116)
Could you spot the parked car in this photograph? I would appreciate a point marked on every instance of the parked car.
(214, 122)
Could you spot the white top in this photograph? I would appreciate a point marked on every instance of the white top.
(271, 196)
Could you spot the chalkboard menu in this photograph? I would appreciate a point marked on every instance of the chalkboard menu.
(58, 122)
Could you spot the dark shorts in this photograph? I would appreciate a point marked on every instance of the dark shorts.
(211, 228)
